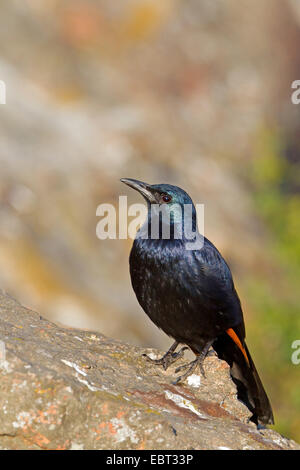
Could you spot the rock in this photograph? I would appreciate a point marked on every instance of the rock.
(63, 388)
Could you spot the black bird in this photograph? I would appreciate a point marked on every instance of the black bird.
(190, 294)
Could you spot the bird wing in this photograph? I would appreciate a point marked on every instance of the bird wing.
(217, 287)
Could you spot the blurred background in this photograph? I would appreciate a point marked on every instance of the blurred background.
(195, 93)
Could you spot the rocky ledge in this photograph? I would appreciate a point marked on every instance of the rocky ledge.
(63, 388)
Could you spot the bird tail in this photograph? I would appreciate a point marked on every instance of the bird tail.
(230, 348)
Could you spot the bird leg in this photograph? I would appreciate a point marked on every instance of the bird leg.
(191, 366)
(169, 357)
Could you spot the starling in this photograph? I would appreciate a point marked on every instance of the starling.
(190, 294)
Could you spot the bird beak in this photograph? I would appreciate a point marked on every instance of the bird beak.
(143, 188)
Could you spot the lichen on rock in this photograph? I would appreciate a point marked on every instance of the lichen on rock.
(63, 388)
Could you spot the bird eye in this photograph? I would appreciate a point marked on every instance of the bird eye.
(166, 198)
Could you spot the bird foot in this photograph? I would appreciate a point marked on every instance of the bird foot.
(191, 366)
(169, 358)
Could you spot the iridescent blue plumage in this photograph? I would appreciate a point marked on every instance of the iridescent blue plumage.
(190, 294)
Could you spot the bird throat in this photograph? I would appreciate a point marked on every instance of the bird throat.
(158, 227)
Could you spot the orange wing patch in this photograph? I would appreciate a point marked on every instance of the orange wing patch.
(237, 341)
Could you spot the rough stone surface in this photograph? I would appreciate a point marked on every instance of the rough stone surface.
(71, 389)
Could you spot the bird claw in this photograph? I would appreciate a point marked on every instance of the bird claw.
(192, 365)
(184, 366)
(163, 361)
(175, 382)
(178, 355)
(202, 370)
(168, 359)
(182, 378)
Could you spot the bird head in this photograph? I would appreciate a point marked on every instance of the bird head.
(163, 195)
